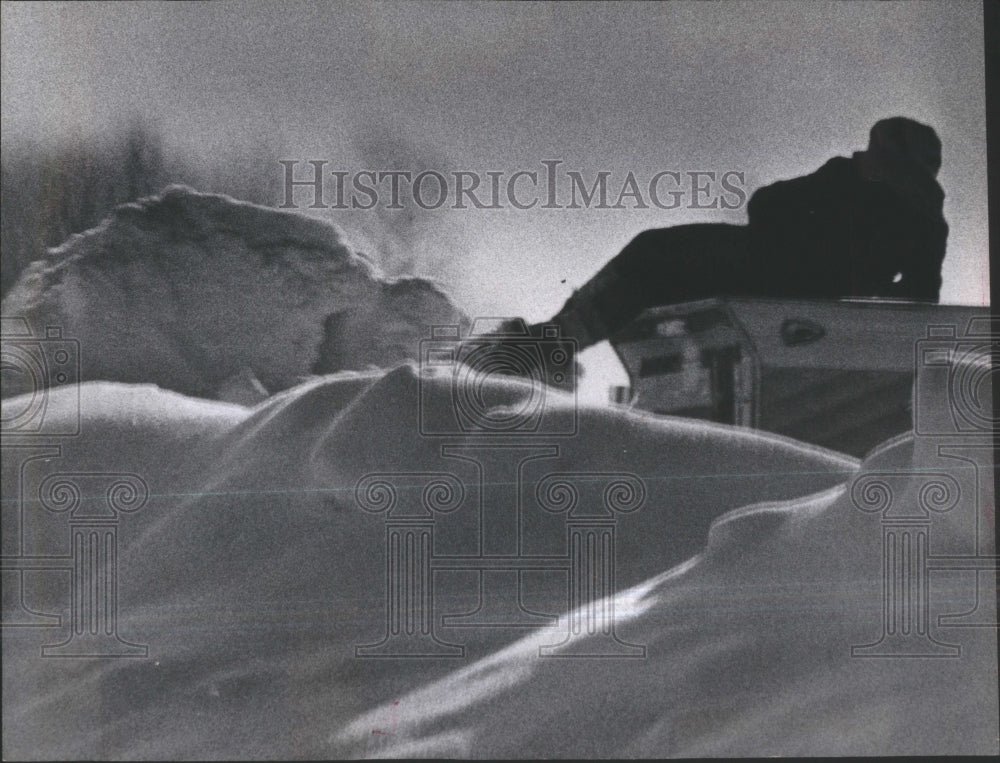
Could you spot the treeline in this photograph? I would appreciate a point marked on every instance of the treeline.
(49, 193)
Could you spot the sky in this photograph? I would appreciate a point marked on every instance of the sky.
(771, 90)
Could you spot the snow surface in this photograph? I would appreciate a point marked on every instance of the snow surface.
(252, 575)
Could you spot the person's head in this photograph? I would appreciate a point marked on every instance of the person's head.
(900, 138)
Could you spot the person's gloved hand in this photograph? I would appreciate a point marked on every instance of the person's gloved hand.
(535, 353)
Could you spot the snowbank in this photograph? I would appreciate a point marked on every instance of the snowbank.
(203, 294)
(769, 643)
(252, 574)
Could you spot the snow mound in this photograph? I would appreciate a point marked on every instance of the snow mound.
(771, 642)
(214, 297)
(253, 574)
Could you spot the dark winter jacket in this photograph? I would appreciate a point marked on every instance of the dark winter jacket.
(850, 229)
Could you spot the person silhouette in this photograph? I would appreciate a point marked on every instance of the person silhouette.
(871, 225)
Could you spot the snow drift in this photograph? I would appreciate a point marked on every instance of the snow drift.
(762, 645)
(252, 575)
(206, 295)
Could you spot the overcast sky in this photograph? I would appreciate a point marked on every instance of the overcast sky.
(770, 90)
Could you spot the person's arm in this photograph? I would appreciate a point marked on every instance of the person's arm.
(771, 205)
(784, 215)
(921, 281)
